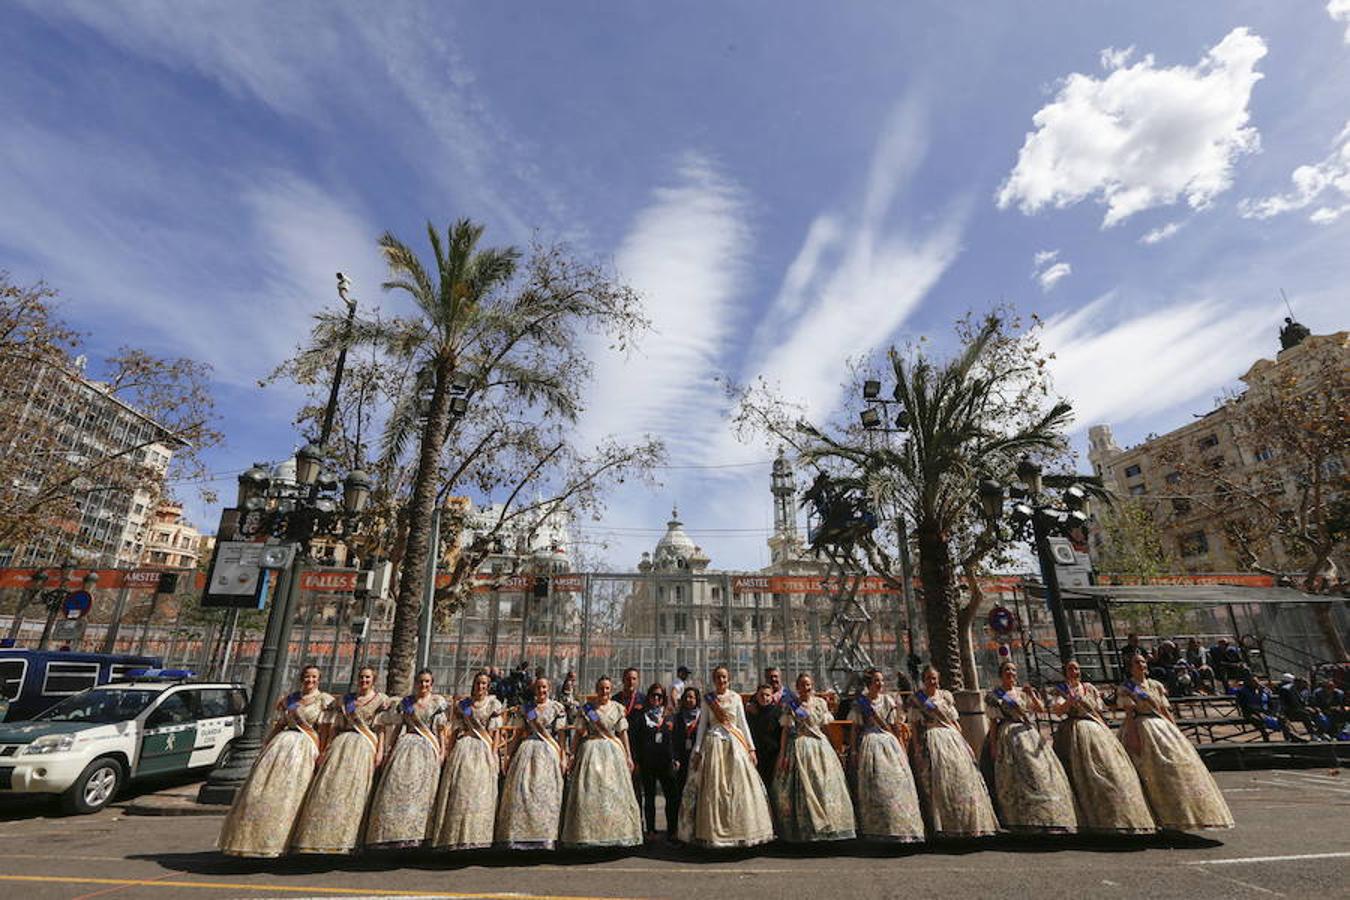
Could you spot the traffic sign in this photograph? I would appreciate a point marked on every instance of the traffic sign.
(1002, 620)
(77, 604)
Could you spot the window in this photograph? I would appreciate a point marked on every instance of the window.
(118, 671)
(1137, 489)
(216, 703)
(11, 677)
(101, 706)
(1181, 506)
(1174, 478)
(1194, 544)
(66, 678)
(1132, 471)
(1264, 454)
(1209, 441)
(177, 709)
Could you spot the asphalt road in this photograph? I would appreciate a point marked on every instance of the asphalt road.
(1292, 840)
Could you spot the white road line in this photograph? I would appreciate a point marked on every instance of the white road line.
(1266, 859)
(1315, 778)
(1305, 785)
(1249, 885)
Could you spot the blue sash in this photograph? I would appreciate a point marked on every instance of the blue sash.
(1138, 692)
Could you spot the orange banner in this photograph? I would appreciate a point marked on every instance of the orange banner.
(108, 579)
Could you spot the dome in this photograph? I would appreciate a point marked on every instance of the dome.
(284, 471)
(675, 547)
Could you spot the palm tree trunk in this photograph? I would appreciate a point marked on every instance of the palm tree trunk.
(421, 511)
(940, 601)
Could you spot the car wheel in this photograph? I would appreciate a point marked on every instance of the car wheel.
(95, 788)
(226, 754)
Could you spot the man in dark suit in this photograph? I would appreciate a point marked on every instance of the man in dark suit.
(634, 704)
(765, 732)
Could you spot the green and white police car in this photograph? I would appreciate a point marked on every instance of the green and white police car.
(89, 745)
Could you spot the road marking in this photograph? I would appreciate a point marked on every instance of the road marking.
(1265, 859)
(1305, 785)
(1248, 884)
(290, 889)
(113, 890)
(1317, 779)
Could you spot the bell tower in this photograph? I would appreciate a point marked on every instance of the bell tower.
(785, 543)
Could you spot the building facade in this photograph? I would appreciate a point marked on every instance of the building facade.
(1159, 473)
(64, 422)
(171, 540)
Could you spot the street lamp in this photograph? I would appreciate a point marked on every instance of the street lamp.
(875, 418)
(1043, 516)
(291, 514)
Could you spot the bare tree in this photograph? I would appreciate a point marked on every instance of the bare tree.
(1287, 513)
(57, 448)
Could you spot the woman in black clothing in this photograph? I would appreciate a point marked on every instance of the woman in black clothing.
(653, 739)
(685, 728)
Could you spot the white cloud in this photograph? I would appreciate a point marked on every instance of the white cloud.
(1161, 233)
(855, 279)
(1052, 275)
(1325, 183)
(173, 262)
(1047, 271)
(1115, 368)
(344, 72)
(1339, 10)
(686, 254)
(1142, 136)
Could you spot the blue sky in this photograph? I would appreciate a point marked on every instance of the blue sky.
(788, 184)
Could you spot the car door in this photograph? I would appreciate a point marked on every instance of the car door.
(220, 720)
(169, 735)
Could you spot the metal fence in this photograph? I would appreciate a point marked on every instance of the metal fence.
(656, 622)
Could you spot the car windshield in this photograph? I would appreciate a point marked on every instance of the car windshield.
(100, 706)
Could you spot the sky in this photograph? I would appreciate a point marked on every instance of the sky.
(788, 185)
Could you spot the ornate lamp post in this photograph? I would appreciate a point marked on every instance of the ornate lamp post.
(291, 513)
(1039, 514)
(877, 418)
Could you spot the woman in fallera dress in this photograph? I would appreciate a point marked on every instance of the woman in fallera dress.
(949, 780)
(466, 806)
(810, 791)
(724, 802)
(401, 810)
(1106, 788)
(532, 795)
(1032, 790)
(1181, 793)
(260, 821)
(888, 802)
(601, 809)
(330, 821)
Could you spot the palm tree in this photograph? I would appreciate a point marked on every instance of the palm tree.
(443, 342)
(480, 326)
(968, 419)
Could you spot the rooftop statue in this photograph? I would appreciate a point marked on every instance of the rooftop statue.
(1292, 334)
